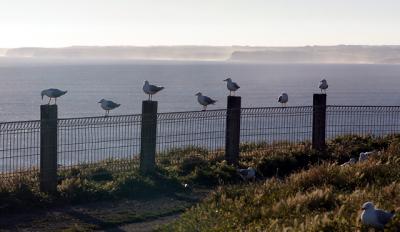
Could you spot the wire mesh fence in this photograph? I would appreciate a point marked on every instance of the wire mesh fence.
(362, 120)
(276, 126)
(115, 141)
(19, 147)
(183, 134)
(112, 141)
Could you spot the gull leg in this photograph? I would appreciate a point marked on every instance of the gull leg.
(230, 93)
(204, 108)
(55, 101)
(49, 101)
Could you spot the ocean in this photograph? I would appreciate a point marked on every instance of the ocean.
(88, 81)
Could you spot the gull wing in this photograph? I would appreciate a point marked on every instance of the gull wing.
(383, 216)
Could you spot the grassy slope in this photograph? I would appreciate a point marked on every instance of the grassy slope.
(325, 197)
(193, 166)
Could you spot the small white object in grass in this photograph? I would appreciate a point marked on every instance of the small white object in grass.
(185, 185)
(247, 174)
(373, 217)
(232, 86)
(204, 100)
(151, 89)
(108, 105)
(364, 156)
(52, 93)
(350, 162)
(283, 99)
(323, 85)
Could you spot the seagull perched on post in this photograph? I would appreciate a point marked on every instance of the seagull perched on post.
(108, 105)
(376, 218)
(53, 93)
(323, 85)
(232, 86)
(204, 100)
(283, 99)
(151, 89)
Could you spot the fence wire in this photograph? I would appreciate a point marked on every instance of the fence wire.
(362, 120)
(115, 141)
(276, 127)
(19, 147)
(112, 141)
(197, 133)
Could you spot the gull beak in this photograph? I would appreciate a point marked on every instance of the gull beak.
(363, 208)
(225, 80)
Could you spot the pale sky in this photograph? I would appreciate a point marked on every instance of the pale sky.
(58, 23)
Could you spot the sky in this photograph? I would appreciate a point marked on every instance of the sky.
(60, 23)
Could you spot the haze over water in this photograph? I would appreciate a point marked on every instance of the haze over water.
(121, 81)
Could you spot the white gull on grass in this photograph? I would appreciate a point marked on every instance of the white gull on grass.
(364, 155)
(373, 217)
(247, 174)
(232, 86)
(350, 162)
(108, 105)
(323, 85)
(204, 100)
(151, 89)
(52, 93)
(283, 99)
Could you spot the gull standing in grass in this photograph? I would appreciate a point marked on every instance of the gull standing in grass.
(108, 105)
(323, 85)
(53, 93)
(283, 99)
(247, 174)
(350, 162)
(151, 89)
(376, 218)
(204, 100)
(232, 86)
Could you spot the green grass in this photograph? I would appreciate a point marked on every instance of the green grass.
(320, 197)
(199, 167)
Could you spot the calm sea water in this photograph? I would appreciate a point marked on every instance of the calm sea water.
(21, 81)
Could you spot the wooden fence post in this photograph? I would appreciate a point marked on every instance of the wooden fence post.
(319, 122)
(232, 136)
(48, 148)
(148, 137)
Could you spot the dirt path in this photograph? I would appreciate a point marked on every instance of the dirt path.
(123, 215)
(145, 226)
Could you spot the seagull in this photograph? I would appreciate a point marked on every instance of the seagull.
(283, 99)
(323, 85)
(108, 105)
(204, 100)
(232, 86)
(151, 89)
(350, 162)
(247, 174)
(53, 93)
(376, 218)
(364, 155)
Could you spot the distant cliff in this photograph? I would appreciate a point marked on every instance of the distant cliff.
(310, 54)
(129, 52)
(322, 54)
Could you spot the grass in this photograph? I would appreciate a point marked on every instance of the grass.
(320, 197)
(302, 184)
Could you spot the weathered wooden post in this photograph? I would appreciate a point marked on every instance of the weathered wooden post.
(319, 122)
(48, 148)
(148, 137)
(232, 136)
